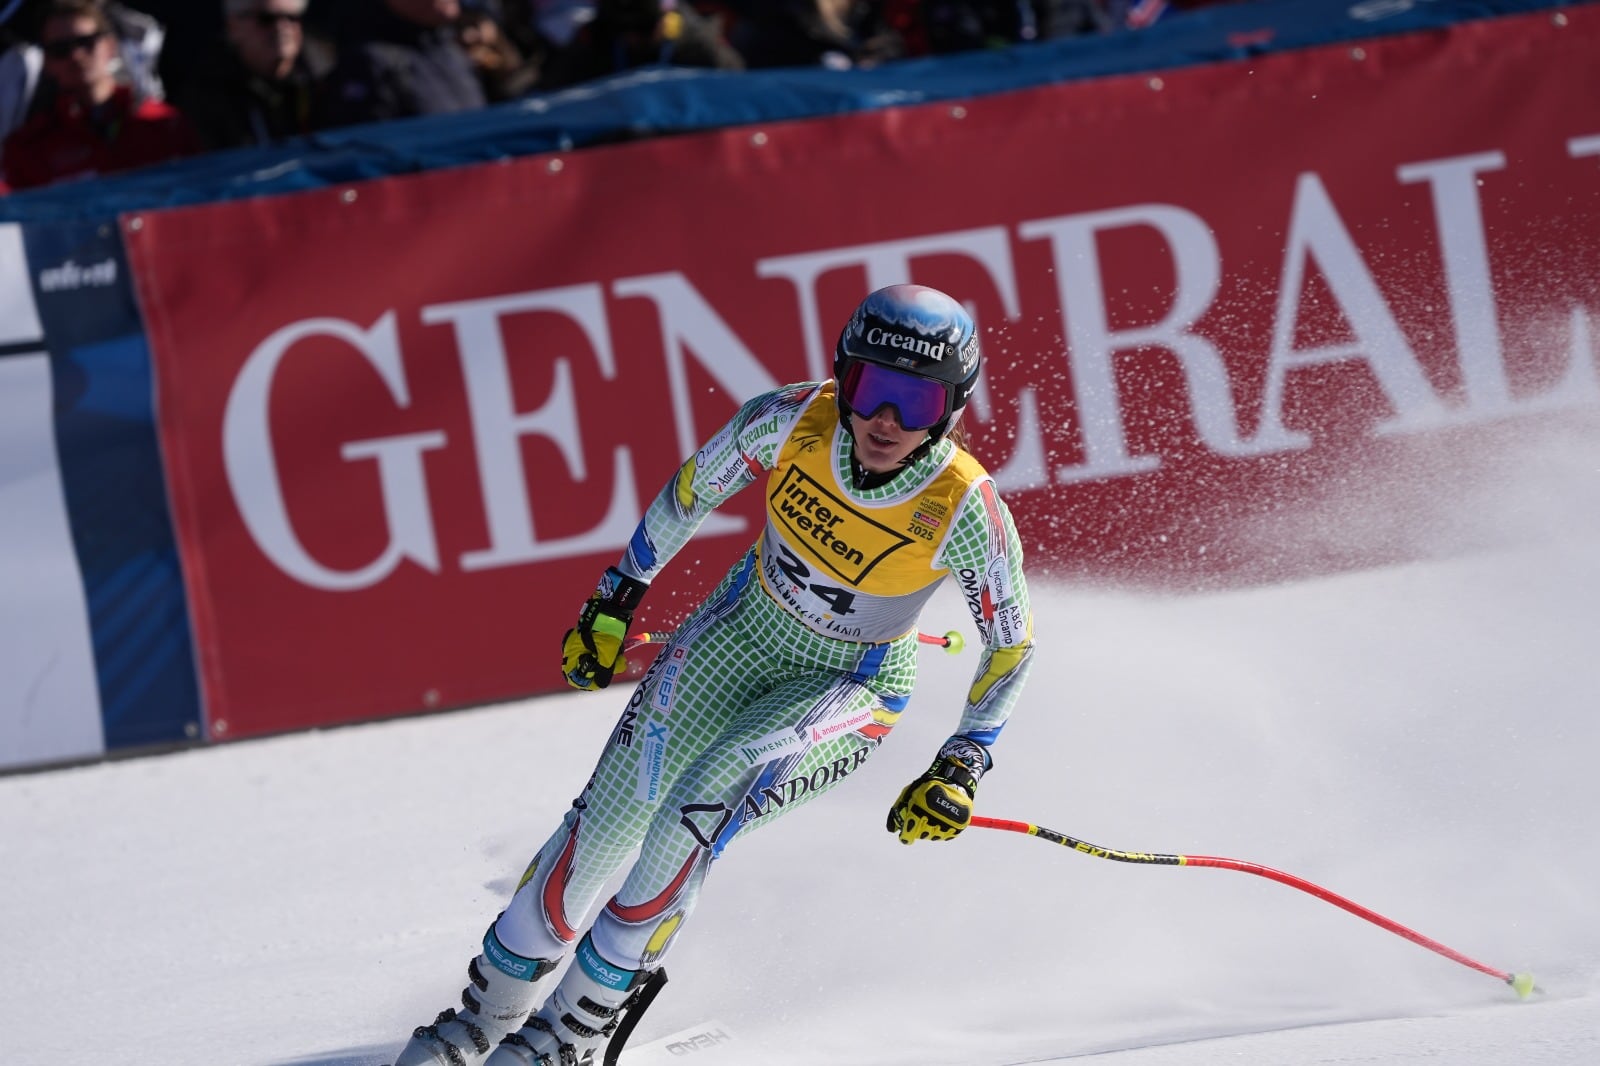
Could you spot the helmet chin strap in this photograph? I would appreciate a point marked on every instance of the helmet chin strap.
(928, 441)
(860, 476)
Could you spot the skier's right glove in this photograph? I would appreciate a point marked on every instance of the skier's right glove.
(591, 652)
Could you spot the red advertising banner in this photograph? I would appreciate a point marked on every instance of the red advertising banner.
(408, 422)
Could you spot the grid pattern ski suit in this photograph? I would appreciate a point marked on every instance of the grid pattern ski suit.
(784, 681)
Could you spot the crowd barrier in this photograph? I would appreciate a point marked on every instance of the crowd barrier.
(300, 442)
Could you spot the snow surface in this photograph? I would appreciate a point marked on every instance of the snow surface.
(1420, 739)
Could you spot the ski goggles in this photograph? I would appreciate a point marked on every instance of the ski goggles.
(918, 402)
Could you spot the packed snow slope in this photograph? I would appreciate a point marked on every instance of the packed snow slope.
(1420, 739)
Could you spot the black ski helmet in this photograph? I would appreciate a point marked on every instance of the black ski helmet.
(918, 331)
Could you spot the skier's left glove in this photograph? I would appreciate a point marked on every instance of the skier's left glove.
(938, 805)
(591, 652)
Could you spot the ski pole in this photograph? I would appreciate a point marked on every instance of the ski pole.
(1521, 983)
(951, 642)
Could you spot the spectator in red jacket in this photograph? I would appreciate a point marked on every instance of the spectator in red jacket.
(96, 124)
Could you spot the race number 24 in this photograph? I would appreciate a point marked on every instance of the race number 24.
(842, 601)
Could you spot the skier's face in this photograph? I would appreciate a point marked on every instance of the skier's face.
(881, 443)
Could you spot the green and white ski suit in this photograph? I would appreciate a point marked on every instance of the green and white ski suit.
(784, 681)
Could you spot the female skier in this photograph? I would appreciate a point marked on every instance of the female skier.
(776, 688)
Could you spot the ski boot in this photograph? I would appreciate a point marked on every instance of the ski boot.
(587, 1019)
(504, 988)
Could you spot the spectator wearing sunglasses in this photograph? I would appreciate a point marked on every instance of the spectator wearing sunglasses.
(773, 691)
(258, 88)
(96, 124)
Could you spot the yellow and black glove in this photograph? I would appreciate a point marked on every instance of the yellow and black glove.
(591, 652)
(938, 805)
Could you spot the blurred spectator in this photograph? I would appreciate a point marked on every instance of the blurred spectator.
(833, 33)
(95, 124)
(19, 75)
(398, 58)
(22, 88)
(627, 34)
(20, 64)
(1139, 14)
(140, 39)
(257, 88)
(501, 66)
(555, 21)
(968, 25)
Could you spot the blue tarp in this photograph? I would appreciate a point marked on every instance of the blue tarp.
(675, 100)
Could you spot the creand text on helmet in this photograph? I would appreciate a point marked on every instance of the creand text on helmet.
(920, 345)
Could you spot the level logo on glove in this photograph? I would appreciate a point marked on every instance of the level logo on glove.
(592, 651)
(938, 805)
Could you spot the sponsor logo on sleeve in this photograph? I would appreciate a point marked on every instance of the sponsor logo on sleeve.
(999, 577)
(1011, 625)
(718, 444)
(736, 470)
(735, 474)
(976, 592)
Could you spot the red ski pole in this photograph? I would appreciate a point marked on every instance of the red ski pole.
(1522, 983)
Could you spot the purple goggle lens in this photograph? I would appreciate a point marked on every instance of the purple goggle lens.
(919, 403)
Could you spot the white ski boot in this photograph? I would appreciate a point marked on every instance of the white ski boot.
(504, 988)
(583, 1016)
